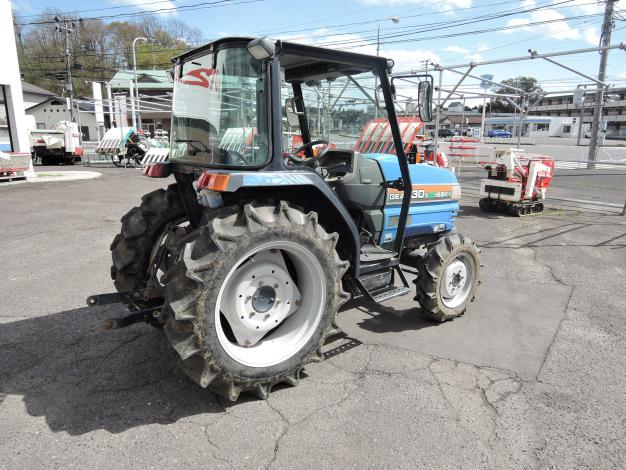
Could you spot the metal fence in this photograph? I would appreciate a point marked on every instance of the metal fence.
(90, 157)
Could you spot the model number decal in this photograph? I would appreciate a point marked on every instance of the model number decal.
(423, 194)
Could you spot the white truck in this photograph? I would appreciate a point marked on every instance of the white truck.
(61, 144)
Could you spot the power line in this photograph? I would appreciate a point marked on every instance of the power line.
(364, 41)
(95, 9)
(468, 21)
(197, 6)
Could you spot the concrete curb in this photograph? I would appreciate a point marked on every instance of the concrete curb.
(48, 176)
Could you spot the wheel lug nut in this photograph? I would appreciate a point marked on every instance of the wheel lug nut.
(298, 302)
(252, 314)
(275, 286)
(260, 283)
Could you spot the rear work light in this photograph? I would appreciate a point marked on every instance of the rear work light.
(213, 181)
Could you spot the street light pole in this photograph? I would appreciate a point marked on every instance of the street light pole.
(135, 74)
(396, 20)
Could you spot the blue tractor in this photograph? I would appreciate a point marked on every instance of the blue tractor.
(275, 221)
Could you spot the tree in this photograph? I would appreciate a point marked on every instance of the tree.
(99, 49)
(530, 85)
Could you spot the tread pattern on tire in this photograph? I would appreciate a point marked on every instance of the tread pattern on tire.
(141, 227)
(431, 268)
(211, 252)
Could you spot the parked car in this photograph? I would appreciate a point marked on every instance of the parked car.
(499, 133)
(446, 133)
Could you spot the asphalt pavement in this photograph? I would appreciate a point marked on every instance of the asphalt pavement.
(533, 376)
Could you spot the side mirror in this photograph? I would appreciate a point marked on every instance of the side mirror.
(292, 114)
(425, 101)
(424, 105)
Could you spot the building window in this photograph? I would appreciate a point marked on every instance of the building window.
(542, 127)
(567, 129)
(41, 125)
(6, 143)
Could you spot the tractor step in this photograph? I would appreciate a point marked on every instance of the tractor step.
(390, 293)
(372, 252)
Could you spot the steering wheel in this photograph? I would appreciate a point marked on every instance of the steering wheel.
(238, 158)
(305, 161)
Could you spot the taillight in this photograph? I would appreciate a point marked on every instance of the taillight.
(213, 181)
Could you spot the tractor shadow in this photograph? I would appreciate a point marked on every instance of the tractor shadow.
(82, 379)
(378, 318)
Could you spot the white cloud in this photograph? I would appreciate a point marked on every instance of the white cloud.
(456, 50)
(592, 35)
(557, 29)
(168, 5)
(22, 7)
(405, 59)
(472, 55)
(516, 24)
(447, 6)
(584, 6)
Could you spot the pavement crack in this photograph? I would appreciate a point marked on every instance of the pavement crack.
(285, 430)
(442, 391)
(288, 425)
(556, 334)
(217, 454)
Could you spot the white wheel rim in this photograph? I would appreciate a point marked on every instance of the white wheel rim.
(457, 281)
(279, 314)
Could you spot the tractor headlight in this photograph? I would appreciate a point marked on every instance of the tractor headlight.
(456, 191)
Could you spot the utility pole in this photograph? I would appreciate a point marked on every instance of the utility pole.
(66, 26)
(605, 41)
(579, 100)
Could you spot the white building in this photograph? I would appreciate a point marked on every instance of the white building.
(13, 132)
(155, 90)
(535, 126)
(54, 109)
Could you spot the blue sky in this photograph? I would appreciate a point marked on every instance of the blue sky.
(352, 24)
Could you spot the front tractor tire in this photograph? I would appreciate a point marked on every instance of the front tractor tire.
(253, 297)
(143, 228)
(448, 277)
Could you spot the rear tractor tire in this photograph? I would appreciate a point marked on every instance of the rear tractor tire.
(253, 297)
(143, 229)
(448, 277)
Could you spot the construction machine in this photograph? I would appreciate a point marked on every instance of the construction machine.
(245, 260)
(516, 182)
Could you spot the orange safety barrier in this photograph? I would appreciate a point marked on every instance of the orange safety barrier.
(461, 147)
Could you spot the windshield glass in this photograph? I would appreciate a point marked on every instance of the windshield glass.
(220, 110)
(342, 111)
